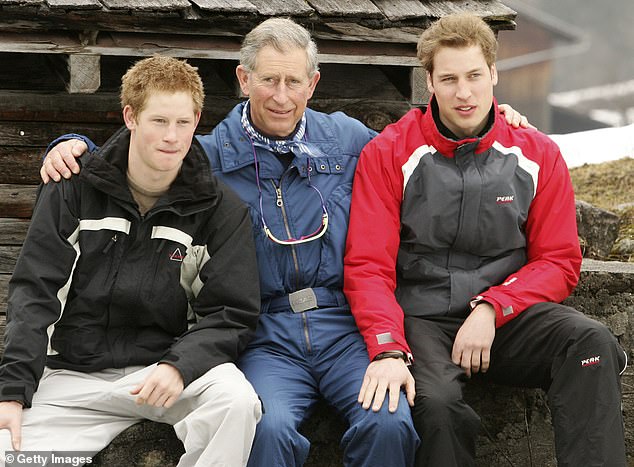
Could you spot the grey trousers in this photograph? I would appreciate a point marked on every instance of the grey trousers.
(215, 416)
(575, 359)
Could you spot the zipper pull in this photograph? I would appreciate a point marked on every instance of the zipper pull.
(278, 194)
(112, 241)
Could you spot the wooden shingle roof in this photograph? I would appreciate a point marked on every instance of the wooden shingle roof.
(214, 28)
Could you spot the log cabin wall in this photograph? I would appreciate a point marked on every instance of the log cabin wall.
(61, 62)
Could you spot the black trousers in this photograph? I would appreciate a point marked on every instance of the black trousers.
(575, 359)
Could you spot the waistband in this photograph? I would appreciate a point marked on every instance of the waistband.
(304, 300)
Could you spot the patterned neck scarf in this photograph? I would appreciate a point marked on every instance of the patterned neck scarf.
(279, 146)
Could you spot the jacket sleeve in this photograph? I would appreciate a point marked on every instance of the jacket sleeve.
(38, 290)
(228, 303)
(553, 252)
(372, 248)
(92, 147)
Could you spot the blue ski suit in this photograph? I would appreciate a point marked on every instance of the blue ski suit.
(296, 357)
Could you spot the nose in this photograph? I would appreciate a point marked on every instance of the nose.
(463, 91)
(170, 132)
(280, 96)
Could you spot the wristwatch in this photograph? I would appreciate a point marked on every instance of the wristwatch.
(394, 354)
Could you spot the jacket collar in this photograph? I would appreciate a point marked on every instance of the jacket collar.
(236, 152)
(193, 189)
(448, 146)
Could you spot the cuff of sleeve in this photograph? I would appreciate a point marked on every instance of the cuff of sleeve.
(91, 146)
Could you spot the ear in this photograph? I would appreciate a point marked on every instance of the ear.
(430, 84)
(243, 79)
(313, 84)
(129, 118)
(198, 118)
(494, 74)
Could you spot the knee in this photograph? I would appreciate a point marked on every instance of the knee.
(236, 398)
(443, 406)
(395, 428)
(277, 424)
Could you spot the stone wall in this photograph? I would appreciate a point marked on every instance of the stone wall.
(516, 422)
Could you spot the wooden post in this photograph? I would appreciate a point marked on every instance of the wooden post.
(420, 94)
(85, 73)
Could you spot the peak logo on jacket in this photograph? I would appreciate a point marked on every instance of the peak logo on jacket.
(504, 199)
(591, 361)
(177, 255)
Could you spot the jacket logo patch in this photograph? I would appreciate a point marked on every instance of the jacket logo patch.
(590, 361)
(504, 199)
(177, 255)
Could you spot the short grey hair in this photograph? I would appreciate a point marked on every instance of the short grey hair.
(282, 34)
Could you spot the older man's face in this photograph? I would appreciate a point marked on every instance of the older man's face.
(279, 89)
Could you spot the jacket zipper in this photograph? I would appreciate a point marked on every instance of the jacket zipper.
(279, 201)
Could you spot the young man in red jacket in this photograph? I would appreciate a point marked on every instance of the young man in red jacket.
(462, 242)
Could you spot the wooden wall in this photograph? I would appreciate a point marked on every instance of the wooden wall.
(35, 108)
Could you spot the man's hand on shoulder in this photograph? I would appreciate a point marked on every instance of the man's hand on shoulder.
(161, 388)
(472, 347)
(60, 161)
(386, 375)
(513, 117)
(11, 419)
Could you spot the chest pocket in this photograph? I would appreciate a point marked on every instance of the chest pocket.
(170, 257)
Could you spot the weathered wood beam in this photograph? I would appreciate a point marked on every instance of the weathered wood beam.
(4, 290)
(13, 231)
(60, 107)
(397, 11)
(362, 8)
(98, 109)
(20, 166)
(234, 6)
(17, 200)
(282, 7)
(207, 47)
(38, 134)
(8, 258)
(75, 4)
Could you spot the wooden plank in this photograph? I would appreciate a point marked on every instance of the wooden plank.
(4, 291)
(38, 134)
(492, 11)
(17, 200)
(346, 31)
(283, 7)
(371, 84)
(147, 5)
(29, 3)
(357, 8)
(13, 231)
(398, 10)
(128, 44)
(75, 4)
(367, 52)
(420, 93)
(224, 6)
(60, 107)
(20, 166)
(8, 258)
(85, 74)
